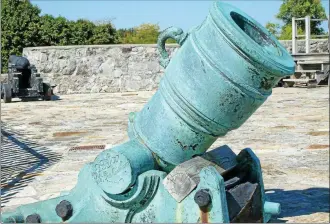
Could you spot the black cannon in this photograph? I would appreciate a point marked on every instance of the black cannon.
(24, 81)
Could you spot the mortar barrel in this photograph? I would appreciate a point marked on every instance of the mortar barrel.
(223, 72)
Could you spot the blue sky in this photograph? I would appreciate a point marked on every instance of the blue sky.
(183, 14)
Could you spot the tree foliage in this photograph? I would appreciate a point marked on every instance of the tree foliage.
(143, 34)
(124, 35)
(82, 32)
(55, 31)
(298, 9)
(19, 27)
(286, 32)
(22, 26)
(104, 33)
(146, 33)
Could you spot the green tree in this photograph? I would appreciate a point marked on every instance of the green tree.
(299, 9)
(22, 26)
(104, 33)
(19, 28)
(62, 31)
(124, 35)
(54, 31)
(47, 31)
(144, 34)
(82, 32)
(286, 32)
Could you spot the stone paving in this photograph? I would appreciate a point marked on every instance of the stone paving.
(289, 134)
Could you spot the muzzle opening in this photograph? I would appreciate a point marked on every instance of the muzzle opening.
(256, 34)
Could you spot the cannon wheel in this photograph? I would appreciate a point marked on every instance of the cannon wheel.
(7, 96)
(48, 92)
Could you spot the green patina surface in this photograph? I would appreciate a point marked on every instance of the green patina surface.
(222, 73)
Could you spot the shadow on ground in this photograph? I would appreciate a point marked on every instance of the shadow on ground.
(53, 98)
(21, 161)
(300, 202)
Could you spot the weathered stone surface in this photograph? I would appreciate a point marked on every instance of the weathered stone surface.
(49, 196)
(28, 191)
(19, 201)
(111, 68)
(97, 69)
(317, 46)
(289, 134)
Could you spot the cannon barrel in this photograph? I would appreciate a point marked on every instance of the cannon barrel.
(224, 70)
(222, 73)
(19, 62)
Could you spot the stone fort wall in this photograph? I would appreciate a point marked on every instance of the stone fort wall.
(111, 68)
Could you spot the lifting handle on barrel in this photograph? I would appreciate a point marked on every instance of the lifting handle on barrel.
(172, 32)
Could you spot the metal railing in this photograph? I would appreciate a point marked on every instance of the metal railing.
(307, 32)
